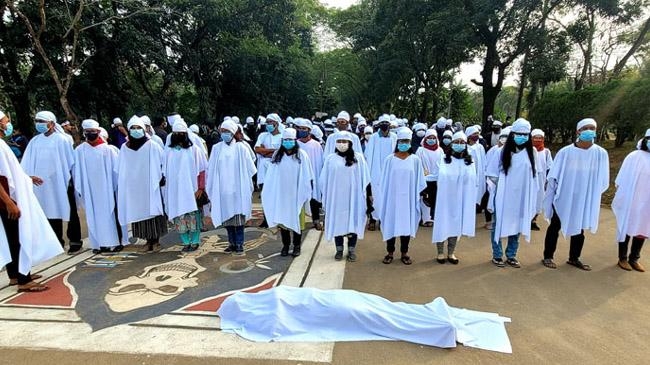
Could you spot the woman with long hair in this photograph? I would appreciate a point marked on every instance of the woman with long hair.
(430, 155)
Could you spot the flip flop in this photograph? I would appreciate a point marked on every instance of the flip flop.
(549, 263)
(14, 282)
(406, 260)
(579, 265)
(32, 287)
(388, 259)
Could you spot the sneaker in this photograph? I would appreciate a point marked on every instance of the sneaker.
(338, 256)
(441, 259)
(499, 262)
(352, 257)
(513, 262)
(534, 226)
(239, 252)
(229, 249)
(453, 259)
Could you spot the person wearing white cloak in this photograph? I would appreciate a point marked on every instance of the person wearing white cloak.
(184, 171)
(151, 133)
(343, 182)
(122, 230)
(430, 155)
(315, 152)
(576, 181)
(631, 205)
(515, 201)
(287, 187)
(26, 239)
(478, 156)
(140, 177)
(456, 199)
(230, 185)
(379, 147)
(194, 138)
(402, 184)
(95, 185)
(342, 125)
(446, 141)
(267, 143)
(544, 163)
(48, 159)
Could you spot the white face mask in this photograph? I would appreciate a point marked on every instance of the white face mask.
(342, 146)
(420, 133)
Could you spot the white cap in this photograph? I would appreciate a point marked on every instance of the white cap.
(179, 126)
(230, 126)
(647, 133)
(585, 122)
(471, 130)
(135, 120)
(2, 115)
(419, 127)
(392, 117)
(103, 133)
(318, 133)
(449, 122)
(117, 121)
(273, 117)
(358, 116)
(459, 135)
(441, 123)
(384, 118)
(537, 132)
(521, 125)
(45, 115)
(146, 120)
(194, 128)
(344, 135)
(343, 115)
(505, 132)
(302, 122)
(250, 120)
(90, 124)
(404, 133)
(289, 133)
(497, 123)
(361, 121)
(261, 120)
(368, 130)
(448, 133)
(173, 119)
(235, 119)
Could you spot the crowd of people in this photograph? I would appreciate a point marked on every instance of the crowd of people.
(388, 175)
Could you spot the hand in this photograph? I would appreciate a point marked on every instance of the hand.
(13, 212)
(372, 200)
(198, 193)
(37, 180)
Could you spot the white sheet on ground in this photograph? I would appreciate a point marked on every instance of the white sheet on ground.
(287, 314)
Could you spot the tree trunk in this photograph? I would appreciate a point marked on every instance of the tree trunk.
(635, 47)
(522, 86)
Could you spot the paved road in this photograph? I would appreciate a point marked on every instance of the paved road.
(558, 316)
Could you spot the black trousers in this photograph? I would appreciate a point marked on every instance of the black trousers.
(74, 226)
(13, 238)
(552, 233)
(286, 237)
(57, 227)
(404, 244)
(315, 205)
(432, 192)
(484, 204)
(369, 207)
(635, 250)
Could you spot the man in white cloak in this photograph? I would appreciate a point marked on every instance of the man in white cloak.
(315, 152)
(151, 132)
(544, 163)
(26, 239)
(196, 140)
(342, 125)
(576, 181)
(48, 159)
(96, 184)
(267, 143)
(381, 145)
(477, 152)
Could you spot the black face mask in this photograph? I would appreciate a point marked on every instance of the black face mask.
(91, 137)
(496, 130)
(384, 127)
(178, 139)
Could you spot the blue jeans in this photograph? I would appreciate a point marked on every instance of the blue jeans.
(497, 248)
(236, 236)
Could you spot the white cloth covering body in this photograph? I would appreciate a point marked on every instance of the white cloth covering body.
(344, 193)
(287, 187)
(182, 167)
(455, 201)
(315, 152)
(478, 156)
(51, 159)
(430, 161)
(229, 181)
(38, 242)
(270, 141)
(544, 163)
(576, 182)
(632, 200)
(138, 187)
(377, 149)
(402, 181)
(194, 138)
(515, 201)
(330, 144)
(96, 184)
(492, 159)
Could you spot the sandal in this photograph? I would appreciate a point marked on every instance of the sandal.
(14, 282)
(426, 224)
(549, 263)
(32, 287)
(318, 225)
(513, 262)
(579, 265)
(117, 248)
(372, 226)
(388, 259)
(406, 260)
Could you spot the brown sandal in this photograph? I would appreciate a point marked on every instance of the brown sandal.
(388, 259)
(14, 282)
(406, 260)
(32, 287)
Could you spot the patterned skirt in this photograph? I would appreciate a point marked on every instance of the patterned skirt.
(188, 222)
(152, 228)
(235, 221)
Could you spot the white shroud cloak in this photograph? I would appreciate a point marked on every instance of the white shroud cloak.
(95, 183)
(377, 149)
(270, 141)
(544, 163)
(315, 152)
(576, 182)
(287, 187)
(330, 144)
(478, 156)
(344, 196)
(182, 169)
(51, 158)
(402, 182)
(38, 242)
(229, 181)
(631, 203)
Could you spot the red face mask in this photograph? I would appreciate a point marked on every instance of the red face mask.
(539, 145)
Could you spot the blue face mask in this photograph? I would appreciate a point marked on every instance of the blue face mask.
(520, 140)
(458, 147)
(136, 133)
(289, 144)
(302, 134)
(226, 137)
(446, 141)
(270, 128)
(587, 136)
(403, 147)
(431, 142)
(9, 129)
(42, 127)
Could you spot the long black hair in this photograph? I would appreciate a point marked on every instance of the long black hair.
(180, 139)
(277, 155)
(350, 159)
(644, 144)
(464, 155)
(511, 147)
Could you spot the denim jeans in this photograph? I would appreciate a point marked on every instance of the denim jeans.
(236, 236)
(497, 248)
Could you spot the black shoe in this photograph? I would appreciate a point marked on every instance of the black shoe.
(352, 257)
(117, 248)
(285, 251)
(338, 256)
(229, 249)
(186, 248)
(74, 249)
(499, 262)
(296, 251)
(534, 226)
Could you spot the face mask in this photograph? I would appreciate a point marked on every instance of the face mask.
(520, 140)
(431, 142)
(384, 127)
(368, 135)
(289, 144)
(226, 137)
(270, 128)
(503, 140)
(9, 129)
(91, 137)
(473, 138)
(136, 133)
(446, 141)
(403, 147)
(420, 133)
(302, 134)
(342, 147)
(539, 145)
(496, 130)
(587, 136)
(458, 147)
(41, 127)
